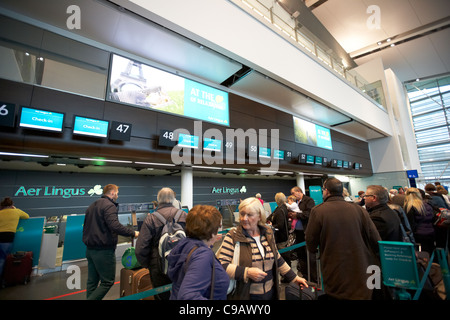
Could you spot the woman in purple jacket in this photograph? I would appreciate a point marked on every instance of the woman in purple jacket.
(192, 261)
(420, 215)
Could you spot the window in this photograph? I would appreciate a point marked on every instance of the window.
(430, 109)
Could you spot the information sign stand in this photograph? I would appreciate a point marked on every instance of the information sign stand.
(399, 267)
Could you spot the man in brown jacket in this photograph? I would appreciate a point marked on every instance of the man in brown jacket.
(348, 243)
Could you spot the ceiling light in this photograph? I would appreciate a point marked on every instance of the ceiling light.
(417, 79)
(263, 171)
(155, 164)
(389, 39)
(379, 43)
(106, 160)
(202, 167)
(235, 169)
(22, 155)
(393, 45)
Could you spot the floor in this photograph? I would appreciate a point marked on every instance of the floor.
(56, 285)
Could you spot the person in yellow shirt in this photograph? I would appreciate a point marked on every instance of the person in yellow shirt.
(9, 219)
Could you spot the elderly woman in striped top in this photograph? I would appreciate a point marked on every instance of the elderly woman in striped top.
(259, 262)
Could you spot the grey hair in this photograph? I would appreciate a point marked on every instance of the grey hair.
(165, 195)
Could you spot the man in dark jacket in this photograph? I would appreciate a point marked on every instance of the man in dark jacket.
(385, 219)
(147, 245)
(100, 232)
(305, 204)
(348, 243)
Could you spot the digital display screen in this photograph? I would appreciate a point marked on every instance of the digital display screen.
(90, 127)
(339, 164)
(309, 159)
(188, 141)
(345, 164)
(312, 134)
(318, 160)
(278, 154)
(212, 144)
(356, 165)
(264, 152)
(302, 158)
(41, 119)
(141, 85)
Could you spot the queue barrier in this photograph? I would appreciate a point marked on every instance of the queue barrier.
(168, 287)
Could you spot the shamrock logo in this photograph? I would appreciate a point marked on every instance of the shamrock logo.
(96, 190)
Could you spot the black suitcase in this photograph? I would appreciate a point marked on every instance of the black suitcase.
(18, 268)
(293, 292)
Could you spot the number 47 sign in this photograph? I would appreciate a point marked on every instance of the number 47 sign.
(7, 112)
(120, 131)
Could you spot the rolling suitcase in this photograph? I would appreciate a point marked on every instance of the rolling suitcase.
(18, 268)
(293, 292)
(134, 281)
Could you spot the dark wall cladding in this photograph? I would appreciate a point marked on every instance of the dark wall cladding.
(143, 145)
(55, 194)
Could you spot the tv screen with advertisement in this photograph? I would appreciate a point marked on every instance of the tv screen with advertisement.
(141, 85)
(312, 134)
(41, 119)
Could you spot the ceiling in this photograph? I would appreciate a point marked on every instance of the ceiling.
(418, 28)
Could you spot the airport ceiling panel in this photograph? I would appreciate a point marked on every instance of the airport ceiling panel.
(277, 95)
(106, 24)
(359, 130)
(157, 44)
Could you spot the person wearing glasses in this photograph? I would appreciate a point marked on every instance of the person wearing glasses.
(348, 243)
(385, 219)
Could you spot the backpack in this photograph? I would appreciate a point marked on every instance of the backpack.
(171, 234)
(443, 218)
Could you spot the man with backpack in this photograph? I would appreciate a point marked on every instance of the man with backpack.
(159, 233)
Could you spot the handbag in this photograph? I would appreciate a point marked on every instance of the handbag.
(237, 250)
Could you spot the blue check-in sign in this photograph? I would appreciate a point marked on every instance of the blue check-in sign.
(187, 141)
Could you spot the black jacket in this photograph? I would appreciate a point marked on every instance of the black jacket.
(101, 225)
(305, 206)
(387, 222)
(279, 219)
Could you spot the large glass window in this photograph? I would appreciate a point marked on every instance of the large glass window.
(430, 109)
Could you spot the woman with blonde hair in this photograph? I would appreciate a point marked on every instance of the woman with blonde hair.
(420, 215)
(257, 266)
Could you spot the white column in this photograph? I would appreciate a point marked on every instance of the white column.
(301, 181)
(187, 187)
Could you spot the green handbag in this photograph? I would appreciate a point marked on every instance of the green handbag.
(129, 260)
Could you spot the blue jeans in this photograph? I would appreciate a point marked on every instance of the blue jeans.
(101, 272)
(5, 249)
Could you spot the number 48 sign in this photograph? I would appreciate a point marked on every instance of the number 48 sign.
(7, 112)
(120, 131)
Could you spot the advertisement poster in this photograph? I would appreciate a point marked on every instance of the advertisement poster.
(312, 134)
(138, 84)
